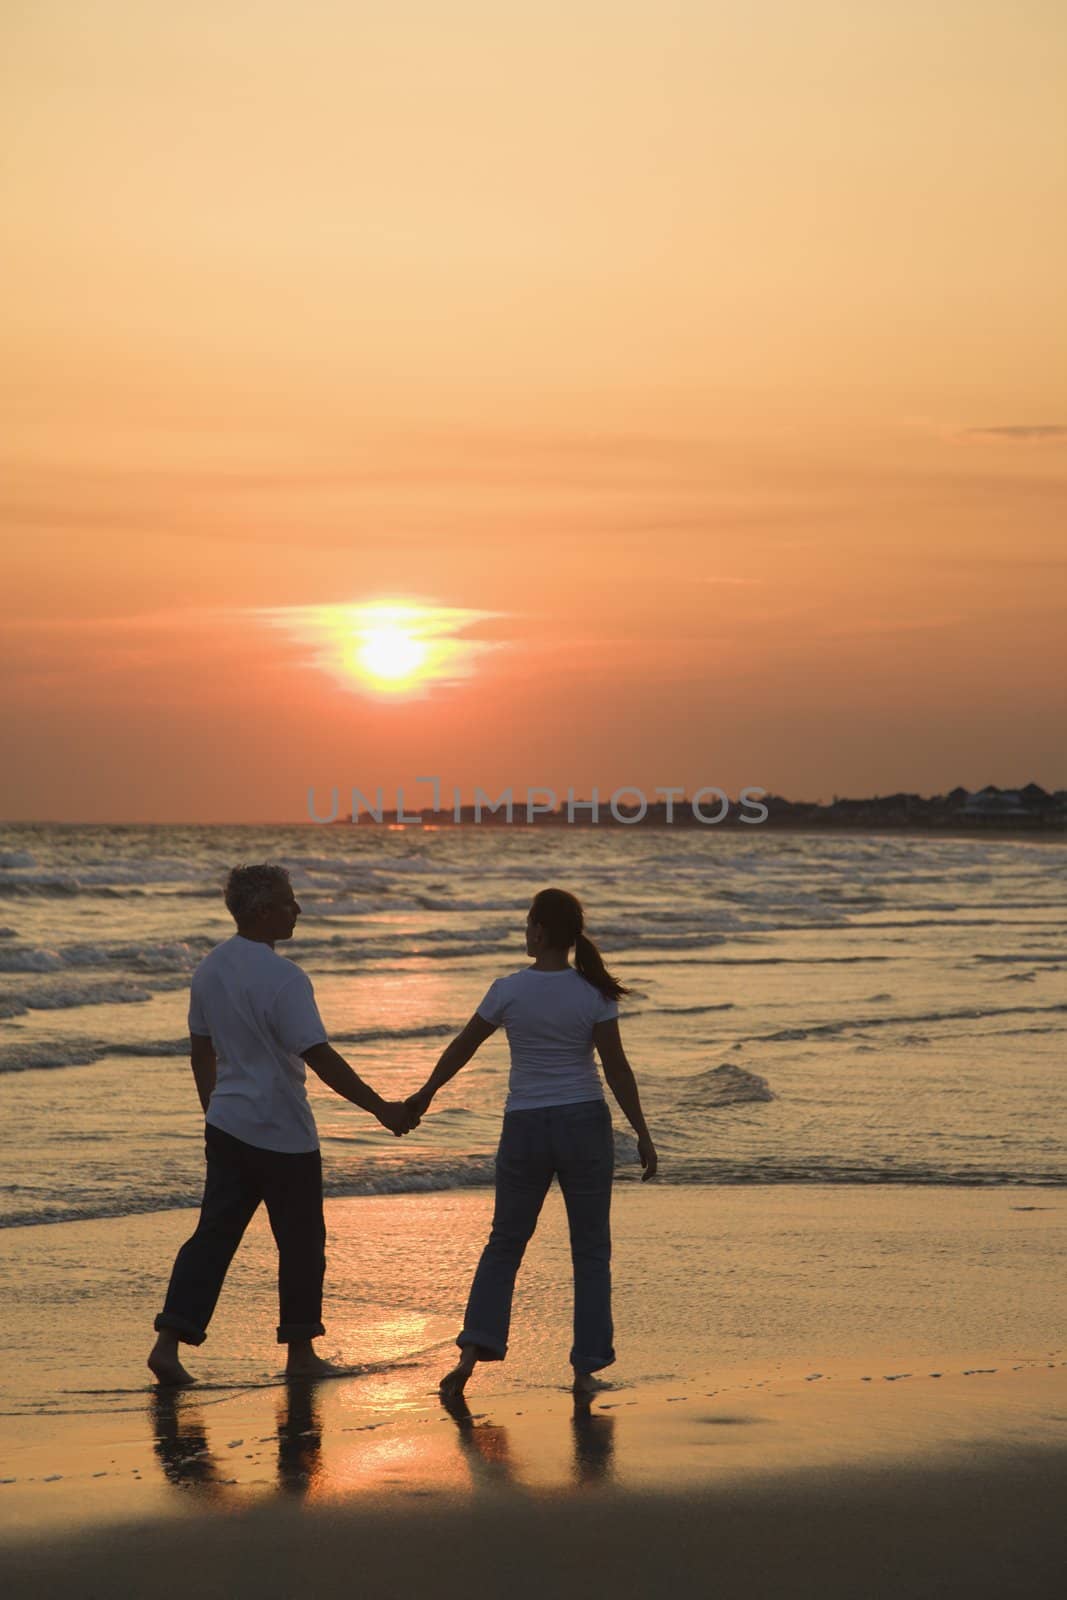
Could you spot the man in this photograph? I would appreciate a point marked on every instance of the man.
(253, 1023)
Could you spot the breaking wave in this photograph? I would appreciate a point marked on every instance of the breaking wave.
(723, 1086)
(476, 1172)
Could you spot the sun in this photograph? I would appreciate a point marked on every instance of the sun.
(391, 654)
(389, 649)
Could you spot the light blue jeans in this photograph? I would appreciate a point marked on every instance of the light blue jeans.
(576, 1144)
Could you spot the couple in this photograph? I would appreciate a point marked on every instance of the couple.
(253, 1023)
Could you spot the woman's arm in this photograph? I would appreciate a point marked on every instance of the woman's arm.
(452, 1059)
(623, 1085)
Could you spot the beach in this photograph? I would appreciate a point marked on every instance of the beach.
(839, 1310)
(572, 487)
(818, 1390)
(986, 1530)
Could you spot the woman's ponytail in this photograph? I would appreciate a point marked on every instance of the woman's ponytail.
(560, 914)
(590, 963)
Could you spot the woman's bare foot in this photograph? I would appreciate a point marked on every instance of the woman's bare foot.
(587, 1383)
(304, 1363)
(164, 1365)
(453, 1383)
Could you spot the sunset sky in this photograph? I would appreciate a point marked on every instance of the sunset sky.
(688, 376)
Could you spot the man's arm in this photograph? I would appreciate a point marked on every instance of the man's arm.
(452, 1059)
(335, 1072)
(202, 1055)
(623, 1085)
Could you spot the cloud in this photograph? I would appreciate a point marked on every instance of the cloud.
(1006, 432)
(864, 626)
(186, 618)
(1020, 430)
(1006, 563)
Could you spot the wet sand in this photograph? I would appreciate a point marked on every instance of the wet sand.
(896, 1487)
(876, 1405)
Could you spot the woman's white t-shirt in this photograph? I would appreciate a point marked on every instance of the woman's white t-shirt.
(549, 1019)
(259, 1009)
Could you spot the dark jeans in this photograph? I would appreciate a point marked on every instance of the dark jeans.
(239, 1176)
(576, 1144)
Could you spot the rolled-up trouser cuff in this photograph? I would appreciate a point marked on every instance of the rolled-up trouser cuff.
(297, 1332)
(494, 1350)
(187, 1332)
(587, 1364)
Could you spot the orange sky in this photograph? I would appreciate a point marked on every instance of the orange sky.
(703, 363)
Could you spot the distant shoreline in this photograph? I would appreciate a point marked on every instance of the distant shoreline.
(1013, 813)
(1036, 833)
(1028, 834)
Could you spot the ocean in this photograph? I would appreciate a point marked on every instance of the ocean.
(863, 1010)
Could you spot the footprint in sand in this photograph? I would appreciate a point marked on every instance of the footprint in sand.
(732, 1422)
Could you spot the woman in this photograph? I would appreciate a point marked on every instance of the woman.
(556, 1123)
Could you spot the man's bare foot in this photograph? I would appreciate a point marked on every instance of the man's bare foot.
(453, 1383)
(304, 1363)
(164, 1365)
(587, 1383)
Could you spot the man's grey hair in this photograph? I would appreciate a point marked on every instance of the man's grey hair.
(249, 889)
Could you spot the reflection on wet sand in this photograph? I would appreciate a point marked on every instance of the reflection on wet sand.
(594, 1444)
(488, 1451)
(485, 1445)
(184, 1452)
(180, 1441)
(299, 1439)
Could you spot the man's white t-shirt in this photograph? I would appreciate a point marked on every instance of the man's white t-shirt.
(259, 1009)
(549, 1019)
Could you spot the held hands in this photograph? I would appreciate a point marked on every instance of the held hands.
(419, 1103)
(646, 1150)
(398, 1116)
